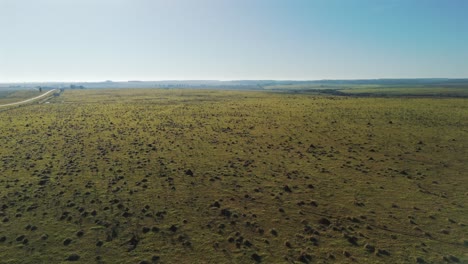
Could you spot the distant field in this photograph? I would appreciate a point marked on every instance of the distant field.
(409, 91)
(204, 176)
(11, 96)
(377, 90)
(306, 87)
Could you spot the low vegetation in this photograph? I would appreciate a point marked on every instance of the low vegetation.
(203, 176)
(426, 91)
(12, 96)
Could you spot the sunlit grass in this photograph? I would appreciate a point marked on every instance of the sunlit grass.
(233, 177)
(11, 96)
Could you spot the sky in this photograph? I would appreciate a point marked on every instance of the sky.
(119, 40)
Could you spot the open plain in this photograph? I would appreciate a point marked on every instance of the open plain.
(205, 176)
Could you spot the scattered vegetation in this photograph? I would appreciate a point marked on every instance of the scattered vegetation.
(12, 96)
(461, 91)
(184, 176)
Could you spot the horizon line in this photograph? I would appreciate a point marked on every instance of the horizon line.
(232, 80)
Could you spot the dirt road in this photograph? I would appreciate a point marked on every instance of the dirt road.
(30, 99)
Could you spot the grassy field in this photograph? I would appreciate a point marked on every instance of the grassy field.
(375, 90)
(409, 91)
(11, 96)
(202, 176)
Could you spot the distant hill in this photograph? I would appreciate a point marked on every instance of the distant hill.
(242, 84)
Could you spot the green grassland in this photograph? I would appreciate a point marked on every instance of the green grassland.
(204, 176)
(378, 90)
(409, 91)
(11, 96)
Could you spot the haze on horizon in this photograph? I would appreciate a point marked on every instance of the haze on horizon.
(90, 40)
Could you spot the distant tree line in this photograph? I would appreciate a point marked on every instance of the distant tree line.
(73, 86)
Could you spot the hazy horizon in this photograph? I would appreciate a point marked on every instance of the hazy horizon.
(123, 40)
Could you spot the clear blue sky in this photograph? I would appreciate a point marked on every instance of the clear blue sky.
(89, 40)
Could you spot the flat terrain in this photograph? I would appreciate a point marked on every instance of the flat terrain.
(41, 96)
(12, 96)
(426, 91)
(200, 176)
